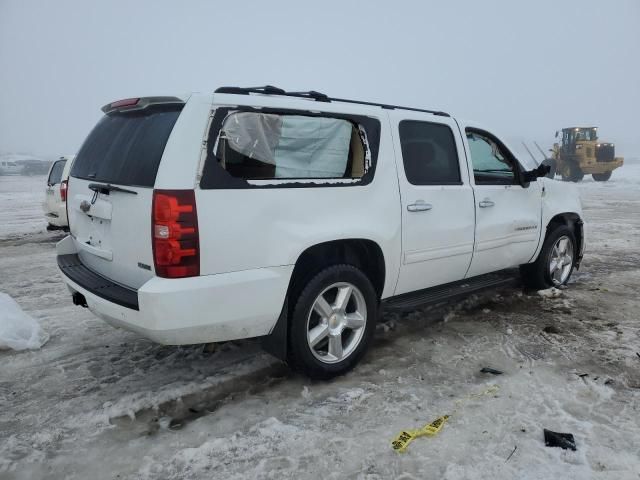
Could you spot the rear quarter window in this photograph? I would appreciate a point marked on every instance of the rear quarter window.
(252, 148)
(125, 148)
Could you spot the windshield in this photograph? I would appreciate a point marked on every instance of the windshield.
(585, 134)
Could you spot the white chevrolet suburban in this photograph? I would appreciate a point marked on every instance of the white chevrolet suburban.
(296, 217)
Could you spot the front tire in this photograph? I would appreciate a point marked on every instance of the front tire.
(601, 177)
(556, 261)
(332, 322)
(575, 173)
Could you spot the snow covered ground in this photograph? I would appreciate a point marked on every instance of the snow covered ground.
(101, 403)
(21, 201)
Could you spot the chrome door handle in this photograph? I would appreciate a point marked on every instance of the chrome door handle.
(419, 206)
(486, 203)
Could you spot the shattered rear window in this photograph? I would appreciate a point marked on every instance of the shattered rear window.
(261, 146)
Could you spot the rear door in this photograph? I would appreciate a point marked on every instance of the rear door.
(437, 201)
(111, 189)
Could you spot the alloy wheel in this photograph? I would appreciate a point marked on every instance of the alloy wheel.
(561, 260)
(336, 322)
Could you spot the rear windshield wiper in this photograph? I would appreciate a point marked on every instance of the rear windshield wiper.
(105, 188)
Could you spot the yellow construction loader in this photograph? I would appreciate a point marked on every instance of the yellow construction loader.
(582, 153)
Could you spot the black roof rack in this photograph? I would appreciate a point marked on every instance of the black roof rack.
(318, 97)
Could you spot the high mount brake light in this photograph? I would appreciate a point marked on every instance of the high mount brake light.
(174, 234)
(63, 190)
(127, 102)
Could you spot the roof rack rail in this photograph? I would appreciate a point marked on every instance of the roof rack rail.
(318, 97)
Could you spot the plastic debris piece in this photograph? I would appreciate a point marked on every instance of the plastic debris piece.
(562, 440)
(552, 329)
(492, 371)
(511, 454)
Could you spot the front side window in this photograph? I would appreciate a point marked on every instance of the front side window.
(491, 164)
(56, 172)
(429, 153)
(264, 146)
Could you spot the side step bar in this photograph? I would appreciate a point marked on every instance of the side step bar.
(451, 291)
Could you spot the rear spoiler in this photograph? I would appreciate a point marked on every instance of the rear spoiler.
(141, 103)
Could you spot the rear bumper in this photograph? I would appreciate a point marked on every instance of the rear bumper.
(57, 218)
(210, 308)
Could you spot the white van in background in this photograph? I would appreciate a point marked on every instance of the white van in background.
(10, 168)
(55, 202)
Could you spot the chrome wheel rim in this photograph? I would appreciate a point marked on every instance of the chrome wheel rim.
(561, 260)
(336, 322)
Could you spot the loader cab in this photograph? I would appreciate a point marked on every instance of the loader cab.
(571, 137)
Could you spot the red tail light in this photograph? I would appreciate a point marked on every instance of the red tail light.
(174, 233)
(63, 190)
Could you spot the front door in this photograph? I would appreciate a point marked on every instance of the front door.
(437, 201)
(508, 215)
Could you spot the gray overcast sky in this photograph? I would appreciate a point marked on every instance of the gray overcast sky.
(526, 68)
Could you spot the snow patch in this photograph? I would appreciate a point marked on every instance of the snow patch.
(18, 331)
(552, 292)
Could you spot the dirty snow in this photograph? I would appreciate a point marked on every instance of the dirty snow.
(101, 403)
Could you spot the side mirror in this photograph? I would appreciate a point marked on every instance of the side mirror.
(532, 175)
(557, 132)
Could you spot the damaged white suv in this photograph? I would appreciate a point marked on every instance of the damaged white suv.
(296, 217)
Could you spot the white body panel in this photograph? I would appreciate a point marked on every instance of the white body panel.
(251, 238)
(507, 233)
(249, 228)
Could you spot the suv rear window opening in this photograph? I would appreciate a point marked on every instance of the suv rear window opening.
(125, 148)
(247, 145)
(56, 172)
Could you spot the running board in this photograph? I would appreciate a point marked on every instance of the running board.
(451, 291)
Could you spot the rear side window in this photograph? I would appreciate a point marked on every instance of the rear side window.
(429, 153)
(262, 146)
(259, 147)
(125, 148)
(56, 172)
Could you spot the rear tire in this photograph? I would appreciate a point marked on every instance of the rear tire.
(556, 261)
(601, 177)
(332, 322)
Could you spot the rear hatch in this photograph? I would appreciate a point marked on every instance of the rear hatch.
(111, 188)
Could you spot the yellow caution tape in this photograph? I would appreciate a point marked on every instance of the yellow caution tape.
(404, 438)
(402, 441)
(489, 391)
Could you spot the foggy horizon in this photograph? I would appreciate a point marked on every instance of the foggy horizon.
(524, 71)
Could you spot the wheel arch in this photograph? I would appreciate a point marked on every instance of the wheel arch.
(362, 253)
